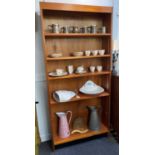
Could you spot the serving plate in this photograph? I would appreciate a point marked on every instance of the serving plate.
(80, 72)
(55, 74)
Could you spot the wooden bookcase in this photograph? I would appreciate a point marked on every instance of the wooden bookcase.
(79, 15)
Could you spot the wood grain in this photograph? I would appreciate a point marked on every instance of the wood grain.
(48, 34)
(53, 65)
(79, 57)
(78, 136)
(80, 75)
(83, 97)
(75, 7)
(79, 109)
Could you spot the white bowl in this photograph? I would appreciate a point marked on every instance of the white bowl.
(63, 95)
(77, 54)
(55, 54)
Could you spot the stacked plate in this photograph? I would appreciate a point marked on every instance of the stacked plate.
(91, 88)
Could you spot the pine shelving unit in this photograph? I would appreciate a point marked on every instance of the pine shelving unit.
(78, 15)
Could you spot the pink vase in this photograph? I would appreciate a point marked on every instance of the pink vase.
(64, 131)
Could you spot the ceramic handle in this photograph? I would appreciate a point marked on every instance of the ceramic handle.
(70, 116)
(50, 27)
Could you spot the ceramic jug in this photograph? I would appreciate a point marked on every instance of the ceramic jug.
(64, 131)
(94, 121)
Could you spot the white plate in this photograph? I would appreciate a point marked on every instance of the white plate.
(81, 72)
(55, 74)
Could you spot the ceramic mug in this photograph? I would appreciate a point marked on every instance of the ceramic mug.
(54, 28)
(101, 52)
(93, 29)
(94, 52)
(87, 53)
(99, 68)
(84, 29)
(70, 69)
(59, 71)
(80, 69)
(65, 29)
(92, 68)
(103, 29)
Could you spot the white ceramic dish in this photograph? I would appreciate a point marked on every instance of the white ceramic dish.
(91, 88)
(55, 74)
(77, 54)
(55, 55)
(82, 72)
(63, 95)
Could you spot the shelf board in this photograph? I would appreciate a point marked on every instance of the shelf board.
(49, 34)
(81, 97)
(80, 57)
(77, 136)
(79, 75)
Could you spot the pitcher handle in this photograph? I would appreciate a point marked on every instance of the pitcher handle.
(70, 116)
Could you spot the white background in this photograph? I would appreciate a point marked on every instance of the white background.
(137, 101)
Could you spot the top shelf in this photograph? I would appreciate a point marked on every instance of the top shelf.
(48, 34)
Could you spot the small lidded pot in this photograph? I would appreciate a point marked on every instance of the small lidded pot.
(54, 28)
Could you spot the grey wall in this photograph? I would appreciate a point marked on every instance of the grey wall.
(40, 81)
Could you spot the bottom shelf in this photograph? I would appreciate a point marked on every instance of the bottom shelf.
(77, 136)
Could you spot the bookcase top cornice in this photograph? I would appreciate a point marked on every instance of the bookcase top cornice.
(75, 7)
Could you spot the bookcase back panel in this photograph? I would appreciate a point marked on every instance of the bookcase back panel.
(69, 45)
(79, 109)
(76, 83)
(79, 19)
(105, 62)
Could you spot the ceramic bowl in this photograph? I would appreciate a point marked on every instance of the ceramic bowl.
(94, 52)
(77, 54)
(101, 52)
(55, 55)
(63, 95)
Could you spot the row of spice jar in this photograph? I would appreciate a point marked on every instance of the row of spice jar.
(55, 28)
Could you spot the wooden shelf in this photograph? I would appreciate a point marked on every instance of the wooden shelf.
(77, 136)
(81, 57)
(48, 34)
(68, 14)
(81, 97)
(80, 75)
